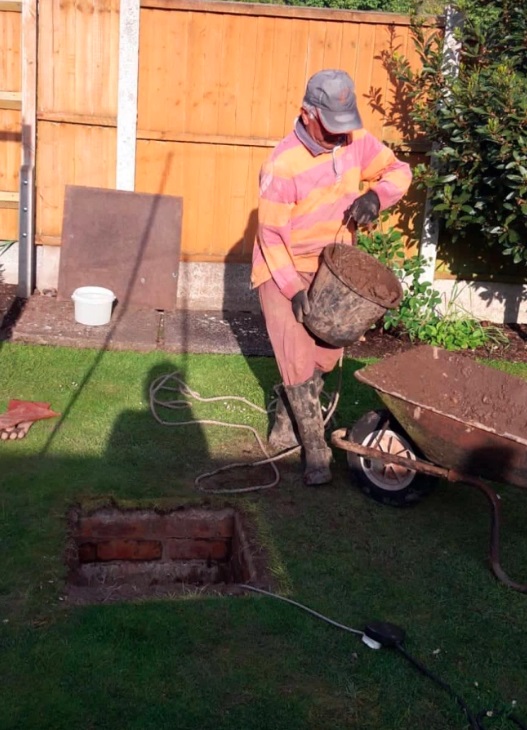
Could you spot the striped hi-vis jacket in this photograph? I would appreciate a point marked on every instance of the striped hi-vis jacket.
(303, 197)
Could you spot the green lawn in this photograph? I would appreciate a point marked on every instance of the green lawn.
(252, 662)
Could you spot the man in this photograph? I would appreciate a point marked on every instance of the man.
(310, 190)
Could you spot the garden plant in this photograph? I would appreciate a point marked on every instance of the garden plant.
(474, 114)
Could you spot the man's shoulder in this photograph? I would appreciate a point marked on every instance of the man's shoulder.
(289, 156)
(287, 143)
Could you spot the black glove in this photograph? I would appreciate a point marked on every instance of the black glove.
(364, 209)
(300, 304)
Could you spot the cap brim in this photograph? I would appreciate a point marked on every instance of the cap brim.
(340, 122)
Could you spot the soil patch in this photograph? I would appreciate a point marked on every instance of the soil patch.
(378, 343)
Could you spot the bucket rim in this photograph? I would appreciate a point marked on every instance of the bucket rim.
(375, 262)
(105, 293)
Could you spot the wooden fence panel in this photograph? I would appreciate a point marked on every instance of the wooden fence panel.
(78, 59)
(206, 73)
(10, 120)
(221, 83)
(69, 154)
(214, 230)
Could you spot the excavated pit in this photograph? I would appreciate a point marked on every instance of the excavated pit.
(128, 554)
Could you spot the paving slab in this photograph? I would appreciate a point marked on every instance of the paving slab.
(46, 321)
(211, 331)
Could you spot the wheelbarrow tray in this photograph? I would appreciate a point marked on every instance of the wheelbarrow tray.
(460, 414)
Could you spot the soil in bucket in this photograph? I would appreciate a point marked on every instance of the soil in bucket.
(351, 292)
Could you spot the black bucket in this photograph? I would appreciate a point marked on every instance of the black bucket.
(351, 292)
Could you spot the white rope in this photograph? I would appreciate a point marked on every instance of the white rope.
(161, 384)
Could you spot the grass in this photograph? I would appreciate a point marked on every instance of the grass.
(245, 663)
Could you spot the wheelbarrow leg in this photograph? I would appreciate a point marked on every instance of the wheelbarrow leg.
(495, 510)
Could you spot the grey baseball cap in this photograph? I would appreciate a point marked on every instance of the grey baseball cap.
(332, 93)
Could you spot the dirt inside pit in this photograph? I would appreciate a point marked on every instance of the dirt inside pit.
(456, 386)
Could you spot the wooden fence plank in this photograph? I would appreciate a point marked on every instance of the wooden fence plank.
(215, 139)
(10, 45)
(10, 100)
(333, 46)
(278, 11)
(316, 47)
(263, 80)
(296, 72)
(237, 76)
(278, 69)
(8, 199)
(350, 40)
(185, 170)
(70, 154)
(379, 81)
(10, 106)
(78, 51)
(13, 6)
(10, 141)
(363, 76)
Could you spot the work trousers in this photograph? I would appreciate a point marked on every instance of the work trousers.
(298, 353)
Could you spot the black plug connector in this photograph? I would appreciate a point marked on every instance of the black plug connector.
(384, 633)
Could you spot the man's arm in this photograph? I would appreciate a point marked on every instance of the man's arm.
(277, 197)
(390, 178)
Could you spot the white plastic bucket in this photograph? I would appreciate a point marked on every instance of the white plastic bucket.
(93, 305)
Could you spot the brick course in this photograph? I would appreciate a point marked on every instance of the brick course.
(129, 550)
(197, 549)
(191, 523)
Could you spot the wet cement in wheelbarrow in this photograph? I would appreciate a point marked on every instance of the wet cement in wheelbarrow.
(454, 385)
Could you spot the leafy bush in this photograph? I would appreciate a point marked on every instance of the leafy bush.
(477, 122)
(392, 6)
(418, 315)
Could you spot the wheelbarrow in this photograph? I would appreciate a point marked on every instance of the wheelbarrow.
(446, 417)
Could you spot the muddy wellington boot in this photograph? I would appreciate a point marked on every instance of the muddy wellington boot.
(305, 404)
(284, 433)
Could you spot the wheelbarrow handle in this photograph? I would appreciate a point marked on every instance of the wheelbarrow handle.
(338, 438)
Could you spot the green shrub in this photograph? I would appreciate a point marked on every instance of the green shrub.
(418, 314)
(477, 122)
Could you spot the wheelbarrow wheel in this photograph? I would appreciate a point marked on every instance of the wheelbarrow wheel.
(387, 483)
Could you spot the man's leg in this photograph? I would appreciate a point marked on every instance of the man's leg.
(298, 354)
(298, 357)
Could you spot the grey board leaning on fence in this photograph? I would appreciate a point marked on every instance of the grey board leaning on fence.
(124, 241)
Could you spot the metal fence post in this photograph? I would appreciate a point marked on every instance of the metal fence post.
(26, 210)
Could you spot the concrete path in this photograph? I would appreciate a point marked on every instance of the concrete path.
(44, 320)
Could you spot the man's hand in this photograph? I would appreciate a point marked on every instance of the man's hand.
(300, 304)
(364, 209)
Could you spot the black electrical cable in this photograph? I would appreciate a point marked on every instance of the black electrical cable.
(476, 721)
(391, 636)
(424, 670)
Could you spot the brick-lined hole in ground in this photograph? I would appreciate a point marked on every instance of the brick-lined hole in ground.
(125, 554)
